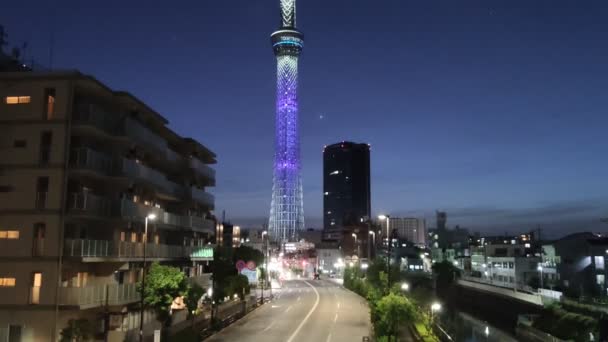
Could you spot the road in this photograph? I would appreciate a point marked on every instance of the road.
(304, 311)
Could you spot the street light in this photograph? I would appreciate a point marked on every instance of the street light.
(405, 287)
(388, 249)
(266, 274)
(149, 217)
(540, 269)
(364, 266)
(369, 246)
(435, 307)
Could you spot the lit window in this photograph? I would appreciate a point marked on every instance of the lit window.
(601, 279)
(17, 99)
(326, 193)
(337, 172)
(7, 282)
(599, 262)
(527, 245)
(9, 234)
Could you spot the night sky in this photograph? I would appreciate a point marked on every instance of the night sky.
(495, 111)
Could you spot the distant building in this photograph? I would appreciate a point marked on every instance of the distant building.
(408, 228)
(442, 219)
(504, 265)
(311, 235)
(329, 257)
(84, 167)
(579, 264)
(346, 184)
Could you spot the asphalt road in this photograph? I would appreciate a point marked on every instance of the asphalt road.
(304, 311)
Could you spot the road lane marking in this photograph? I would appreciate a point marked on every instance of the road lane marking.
(299, 298)
(269, 326)
(336, 318)
(338, 305)
(314, 307)
(289, 308)
(275, 306)
(328, 338)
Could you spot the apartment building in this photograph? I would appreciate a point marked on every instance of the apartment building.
(81, 167)
(505, 265)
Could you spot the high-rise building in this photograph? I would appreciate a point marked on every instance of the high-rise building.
(346, 185)
(409, 228)
(84, 168)
(442, 219)
(286, 208)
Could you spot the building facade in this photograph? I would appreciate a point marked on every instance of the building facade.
(346, 185)
(408, 228)
(82, 167)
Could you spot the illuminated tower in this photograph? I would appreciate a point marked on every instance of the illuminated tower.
(286, 207)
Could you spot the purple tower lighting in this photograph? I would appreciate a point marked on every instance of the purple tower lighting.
(286, 207)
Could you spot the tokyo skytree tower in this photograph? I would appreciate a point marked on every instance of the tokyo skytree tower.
(286, 207)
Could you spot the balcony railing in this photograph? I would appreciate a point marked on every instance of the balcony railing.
(199, 223)
(86, 158)
(89, 114)
(123, 250)
(203, 197)
(136, 170)
(202, 168)
(144, 136)
(92, 296)
(89, 204)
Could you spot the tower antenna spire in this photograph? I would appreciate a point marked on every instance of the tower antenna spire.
(288, 13)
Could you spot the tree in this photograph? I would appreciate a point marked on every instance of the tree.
(247, 253)
(446, 273)
(239, 285)
(391, 311)
(163, 285)
(193, 297)
(77, 330)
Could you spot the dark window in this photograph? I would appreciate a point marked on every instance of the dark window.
(38, 243)
(19, 143)
(49, 103)
(46, 139)
(14, 333)
(42, 189)
(6, 188)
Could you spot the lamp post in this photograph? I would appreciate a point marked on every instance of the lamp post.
(356, 246)
(540, 269)
(369, 246)
(264, 233)
(388, 249)
(434, 307)
(150, 217)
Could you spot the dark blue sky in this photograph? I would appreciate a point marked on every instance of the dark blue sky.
(495, 111)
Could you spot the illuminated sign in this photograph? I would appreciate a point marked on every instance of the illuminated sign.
(202, 253)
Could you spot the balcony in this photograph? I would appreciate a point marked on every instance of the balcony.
(203, 197)
(202, 168)
(102, 250)
(93, 296)
(89, 159)
(139, 171)
(144, 136)
(92, 115)
(201, 224)
(84, 203)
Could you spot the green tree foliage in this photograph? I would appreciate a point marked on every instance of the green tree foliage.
(239, 285)
(446, 273)
(391, 311)
(195, 293)
(224, 269)
(163, 285)
(247, 253)
(566, 325)
(77, 330)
